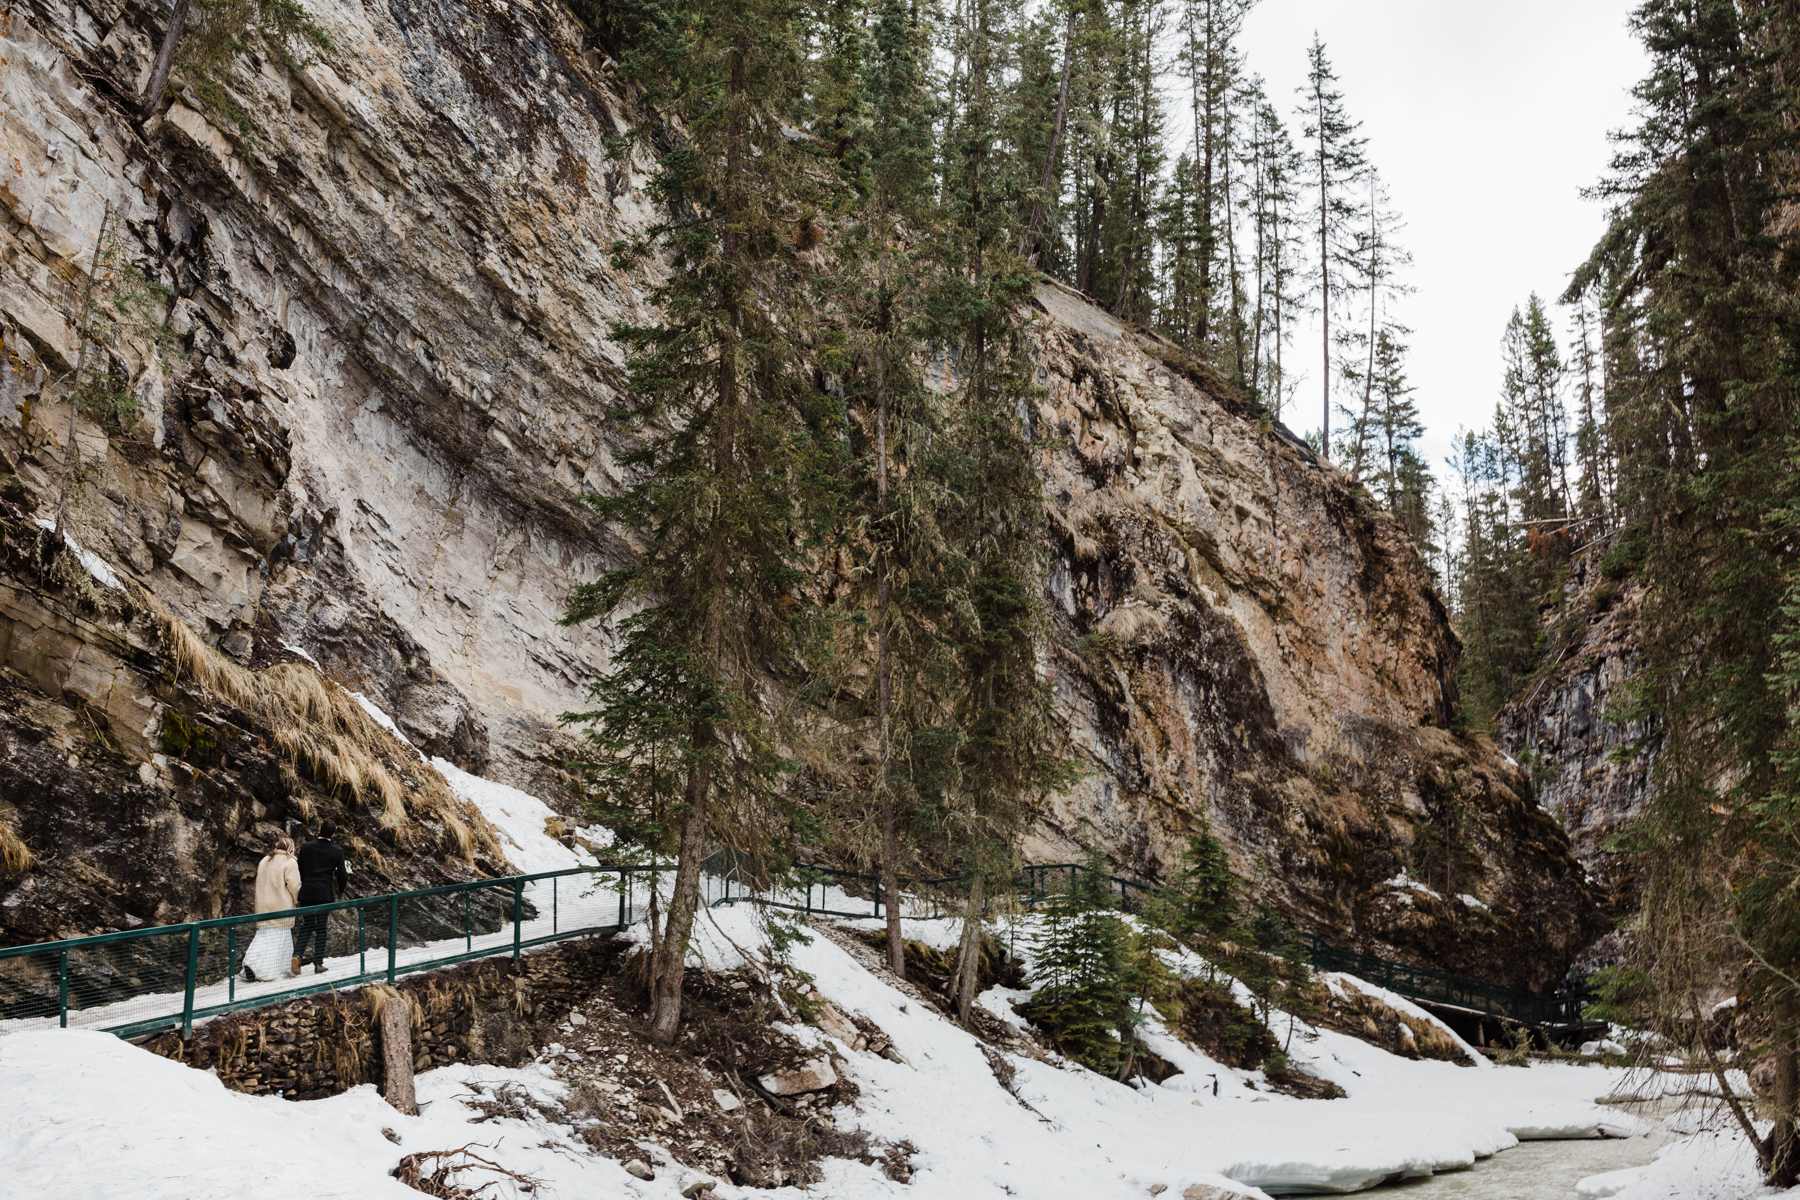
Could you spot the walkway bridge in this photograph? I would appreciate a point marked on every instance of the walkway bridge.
(143, 981)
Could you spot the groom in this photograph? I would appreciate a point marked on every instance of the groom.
(322, 878)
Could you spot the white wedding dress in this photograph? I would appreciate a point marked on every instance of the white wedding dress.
(271, 953)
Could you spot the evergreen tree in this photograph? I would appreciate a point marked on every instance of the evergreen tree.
(1373, 268)
(1203, 897)
(726, 482)
(1003, 713)
(1276, 168)
(1094, 976)
(1593, 449)
(1335, 159)
(1699, 274)
(1210, 60)
(1403, 483)
(1497, 608)
(1081, 996)
(902, 558)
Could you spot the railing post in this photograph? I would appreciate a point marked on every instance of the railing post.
(230, 963)
(468, 925)
(62, 989)
(393, 932)
(554, 880)
(624, 886)
(518, 915)
(362, 944)
(193, 968)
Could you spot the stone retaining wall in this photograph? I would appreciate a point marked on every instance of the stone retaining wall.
(490, 1011)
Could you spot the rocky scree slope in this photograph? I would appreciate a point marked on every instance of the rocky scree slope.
(372, 396)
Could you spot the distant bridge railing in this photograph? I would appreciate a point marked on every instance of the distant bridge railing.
(142, 981)
(829, 891)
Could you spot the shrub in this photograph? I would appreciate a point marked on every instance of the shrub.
(1095, 977)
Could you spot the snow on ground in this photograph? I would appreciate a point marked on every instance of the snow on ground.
(95, 1118)
(1714, 1163)
(521, 819)
(380, 717)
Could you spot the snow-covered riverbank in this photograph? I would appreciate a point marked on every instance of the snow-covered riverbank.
(92, 1117)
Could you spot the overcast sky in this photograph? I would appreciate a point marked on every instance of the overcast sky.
(1487, 120)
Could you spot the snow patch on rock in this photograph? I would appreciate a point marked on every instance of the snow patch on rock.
(90, 562)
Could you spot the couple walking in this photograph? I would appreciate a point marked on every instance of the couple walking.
(284, 880)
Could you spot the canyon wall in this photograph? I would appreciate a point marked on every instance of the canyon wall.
(354, 392)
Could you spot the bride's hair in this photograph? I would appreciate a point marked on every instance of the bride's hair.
(282, 844)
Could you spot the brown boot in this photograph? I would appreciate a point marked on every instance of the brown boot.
(296, 969)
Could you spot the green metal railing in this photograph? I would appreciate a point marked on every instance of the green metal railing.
(144, 981)
(827, 891)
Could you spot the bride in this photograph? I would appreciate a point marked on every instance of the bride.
(271, 952)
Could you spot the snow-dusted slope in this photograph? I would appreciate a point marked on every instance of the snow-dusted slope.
(95, 1118)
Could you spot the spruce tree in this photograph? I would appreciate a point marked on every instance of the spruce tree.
(729, 474)
(1335, 159)
(1700, 274)
(1593, 450)
(1373, 269)
(1280, 252)
(903, 560)
(1212, 64)
(1006, 728)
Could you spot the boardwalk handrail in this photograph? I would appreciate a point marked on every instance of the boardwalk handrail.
(140, 981)
(1034, 883)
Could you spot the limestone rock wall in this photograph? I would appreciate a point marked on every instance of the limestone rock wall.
(373, 394)
(1590, 763)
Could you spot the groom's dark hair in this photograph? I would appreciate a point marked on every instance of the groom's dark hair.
(328, 829)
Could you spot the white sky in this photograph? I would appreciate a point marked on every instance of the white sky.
(1487, 120)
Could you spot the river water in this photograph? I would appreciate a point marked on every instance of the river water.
(1533, 1170)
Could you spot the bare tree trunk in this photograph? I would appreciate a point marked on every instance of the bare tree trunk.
(397, 1055)
(1324, 295)
(668, 964)
(884, 670)
(1205, 122)
(1374, 297)
(165, 58)
(968, 951)
(1783, 1154)
(1231, 259)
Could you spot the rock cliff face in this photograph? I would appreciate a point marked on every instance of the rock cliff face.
(1590, 766)
(355, 427)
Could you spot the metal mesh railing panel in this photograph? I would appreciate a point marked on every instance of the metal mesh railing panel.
(143, 981)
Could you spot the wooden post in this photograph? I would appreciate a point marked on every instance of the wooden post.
(397, 1055)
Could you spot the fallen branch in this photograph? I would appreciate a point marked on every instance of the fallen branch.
(434, 1173)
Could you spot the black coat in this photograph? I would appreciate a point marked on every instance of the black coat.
(322, 874)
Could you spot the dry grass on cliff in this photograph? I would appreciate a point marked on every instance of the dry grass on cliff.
(324, 732)
(15, 856)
